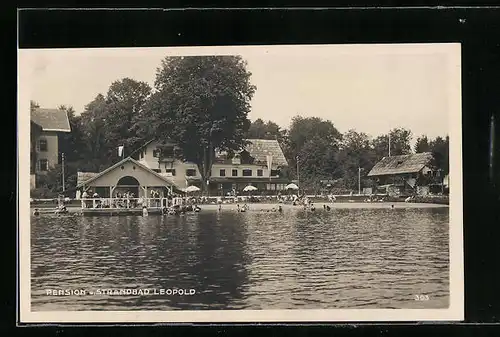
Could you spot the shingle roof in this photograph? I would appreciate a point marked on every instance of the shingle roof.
(401, 164)
(259, 149)
(35, 127)
(84, 176)
(51, 119)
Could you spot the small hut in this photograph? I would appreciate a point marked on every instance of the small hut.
(406, 174)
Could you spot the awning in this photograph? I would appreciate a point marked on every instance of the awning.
(389, 185)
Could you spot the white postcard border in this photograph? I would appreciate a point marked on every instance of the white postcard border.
(455, 312)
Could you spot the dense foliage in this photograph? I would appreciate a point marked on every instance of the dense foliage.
(202, 103)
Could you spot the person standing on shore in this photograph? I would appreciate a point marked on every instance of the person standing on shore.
(85, 196)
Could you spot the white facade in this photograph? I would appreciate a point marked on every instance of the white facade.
(184, 174)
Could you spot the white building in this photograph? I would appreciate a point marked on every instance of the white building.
(259, 165)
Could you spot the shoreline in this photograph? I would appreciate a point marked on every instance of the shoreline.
(269, 206)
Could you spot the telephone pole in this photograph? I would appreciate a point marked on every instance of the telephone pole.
(62, 159)
(359, 180)
(298, 177)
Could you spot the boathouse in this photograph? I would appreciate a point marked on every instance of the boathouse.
(406, 174)
(129, 178)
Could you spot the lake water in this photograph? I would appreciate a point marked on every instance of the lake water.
(344, 258)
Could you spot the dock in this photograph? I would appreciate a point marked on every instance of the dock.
(125, 206)
(118, 211)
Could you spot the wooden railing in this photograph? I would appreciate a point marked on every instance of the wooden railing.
(123, 202)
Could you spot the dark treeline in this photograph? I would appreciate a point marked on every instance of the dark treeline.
(202, 103)
(323, 153)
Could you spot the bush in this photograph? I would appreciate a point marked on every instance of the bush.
(42, 193)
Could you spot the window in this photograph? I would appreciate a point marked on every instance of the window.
(190, 172)
(234, 173)
(43, 165)
(247, 173)
(260, 173)
(275, 173)
(222, 173)
(236, 160)
(170, 171)
(157, 170)
(42, 145)
(156, 153)
(168, 151)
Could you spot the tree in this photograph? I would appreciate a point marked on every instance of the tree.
(303, 129)
(260, 130)
(125, 103)
(316, 161)
(422, 144)
(72, 143)
(93, 121)
(356, 152)
(440, 147)
(400, 143)
(310, 130)
(201, 104)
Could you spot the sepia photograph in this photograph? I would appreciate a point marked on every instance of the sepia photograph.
(243, 184)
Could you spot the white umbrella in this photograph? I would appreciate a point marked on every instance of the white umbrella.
(192, 189)
(249, 188)
(291, 187)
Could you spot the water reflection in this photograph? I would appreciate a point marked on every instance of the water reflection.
(345, 258)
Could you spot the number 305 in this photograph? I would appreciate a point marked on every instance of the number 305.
(421, 297)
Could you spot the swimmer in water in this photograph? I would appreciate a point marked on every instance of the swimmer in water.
(392, 206)
(36, 212)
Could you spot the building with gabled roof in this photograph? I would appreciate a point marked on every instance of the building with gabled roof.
(406, 174)
(46, 126)
(404, 164)
(258, 164)
(54, 120)
(127, 175)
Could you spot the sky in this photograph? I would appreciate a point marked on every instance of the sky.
(369, 88)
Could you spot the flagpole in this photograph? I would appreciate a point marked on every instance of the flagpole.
(389, 143)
